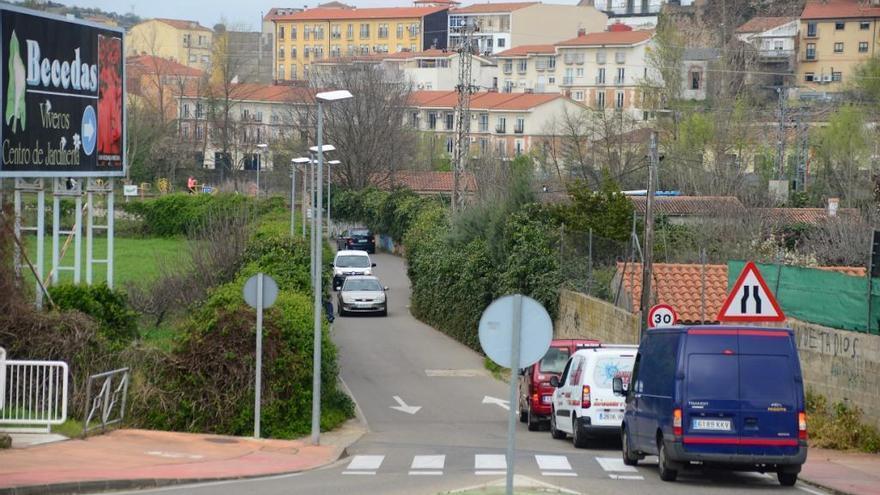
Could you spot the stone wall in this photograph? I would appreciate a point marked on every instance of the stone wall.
(839, 364)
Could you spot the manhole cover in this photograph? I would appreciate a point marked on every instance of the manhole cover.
(221, 440)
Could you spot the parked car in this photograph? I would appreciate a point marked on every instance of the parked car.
(584, 404)
(722, 396)
(535, 392)
(357, 238)
(347, 263)
(362, 294)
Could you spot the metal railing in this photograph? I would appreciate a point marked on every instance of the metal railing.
(33, 395)
(107, 406)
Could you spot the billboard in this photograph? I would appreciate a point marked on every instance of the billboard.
(62, 88)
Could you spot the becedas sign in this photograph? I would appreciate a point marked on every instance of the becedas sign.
(62, 96)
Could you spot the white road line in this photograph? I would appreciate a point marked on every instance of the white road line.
(364, 464)
(558, 473)
(490, 473)
(553, 463)
(624, 477)
(615, 464)
(368, 473)
(490, 462)
(428, 462)
(425, 473)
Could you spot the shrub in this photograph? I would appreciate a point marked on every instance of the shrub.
(117, 321)
(839, 426)
(179, 214)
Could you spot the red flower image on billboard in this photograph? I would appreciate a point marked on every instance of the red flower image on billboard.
(110, 91)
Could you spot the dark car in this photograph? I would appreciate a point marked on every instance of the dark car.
(727, 397)
(360, 239)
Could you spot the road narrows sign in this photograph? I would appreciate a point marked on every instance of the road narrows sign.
(661, 316)
(750, 300)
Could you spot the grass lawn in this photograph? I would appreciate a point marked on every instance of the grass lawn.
(136, 259)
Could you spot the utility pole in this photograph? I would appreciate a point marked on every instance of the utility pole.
(780, 152)
(648, 254)
(465, 89)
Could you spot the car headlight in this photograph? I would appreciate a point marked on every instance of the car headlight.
(368, 272)
(381, 298)
(347, 300)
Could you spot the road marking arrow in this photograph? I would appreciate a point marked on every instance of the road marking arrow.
(498, 402)
(402, 407)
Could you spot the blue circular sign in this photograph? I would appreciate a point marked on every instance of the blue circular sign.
(89, 131)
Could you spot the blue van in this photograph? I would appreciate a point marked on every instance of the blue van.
(729, 397)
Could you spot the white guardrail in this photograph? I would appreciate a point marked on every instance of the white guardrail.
(33, 394)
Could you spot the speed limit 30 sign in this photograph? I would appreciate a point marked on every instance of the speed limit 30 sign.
(662, 315)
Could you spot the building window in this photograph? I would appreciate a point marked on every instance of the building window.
(809, 77)
(518, 146)
(414, 119)
(551, 63)
(307, 32)
(280, 32)
(280, 72)
(193, 59)
(281, 53)
(335, 32)
(619, 101)
(600, 79)
(292, 71)
(292, 32)
(349, 32)
(365, 30)
(600, 57)
(837, 76)
(484, 122)
(579, 72)
(863, 47)
(501, 126)
(864, 25)
(621, 75)
(520, 125)
(449, 144)
(578, 96)
(838, 47)
(432, 120)
(812, 29)
(600, 100)
(551, 80)
(399, 30)
(811, 51)
(292, 52)
(696, 77)
(450, 121)
(383, 31)
(319, 31)
(484, 145)
(522, 66)
(501, 42)
(620, 57)
(839, 26)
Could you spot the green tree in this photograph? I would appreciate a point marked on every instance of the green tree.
(866, 81)
(842, 151)
(606, 211)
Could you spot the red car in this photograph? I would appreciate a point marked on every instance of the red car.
(535, 391)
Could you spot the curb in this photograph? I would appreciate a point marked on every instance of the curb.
(833, 491)
(92, 486)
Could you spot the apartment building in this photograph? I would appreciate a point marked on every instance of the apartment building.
(604, 70)
(500, 26)
(636, 13)
(504, 124)
(186, 42)
(775, 40)
(836, 36)
(155, 83)
(302, 38)
(528, 68)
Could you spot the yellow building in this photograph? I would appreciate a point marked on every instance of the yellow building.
(185, 42)
(302, 38)
(836, 36)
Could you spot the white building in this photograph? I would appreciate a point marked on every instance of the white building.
(775, 39)
(634, 13)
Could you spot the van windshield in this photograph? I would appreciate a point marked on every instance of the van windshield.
(554, 361)
(713, 376)
(609, 367)
(352, 261)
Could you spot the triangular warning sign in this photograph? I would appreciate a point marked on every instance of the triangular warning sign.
(750, 300)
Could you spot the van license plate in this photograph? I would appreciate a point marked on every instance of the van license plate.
(546, 399)
(603, 416)
(711, 424)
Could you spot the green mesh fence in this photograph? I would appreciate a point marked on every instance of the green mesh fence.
(817, 296)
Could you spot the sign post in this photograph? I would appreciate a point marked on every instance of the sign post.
(750, 300)
(515, 331)
(260, 291)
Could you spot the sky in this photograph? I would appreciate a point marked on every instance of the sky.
(245, 13)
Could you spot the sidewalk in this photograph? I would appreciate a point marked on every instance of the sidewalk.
(843, 472)
(126, 459)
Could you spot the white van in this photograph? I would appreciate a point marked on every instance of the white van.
(584, 404)
(350, 262)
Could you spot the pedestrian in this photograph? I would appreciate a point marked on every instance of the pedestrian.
(191, 184)
(328, 309)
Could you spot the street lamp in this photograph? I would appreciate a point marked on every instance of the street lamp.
(325, 97)
(316, 178)
(263, 147)
(295, 161)
(329, 175)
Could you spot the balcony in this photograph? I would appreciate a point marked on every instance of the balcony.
(567, 80)
(518, 129)
(501, 129)
(600, 81)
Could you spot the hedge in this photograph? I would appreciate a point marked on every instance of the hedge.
(179, 214)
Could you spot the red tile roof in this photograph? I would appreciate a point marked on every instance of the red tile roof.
(483, 101)
(523, 50)
(683, 206)
(183, 24)
(680, 286)
(852, 271)
(491, 8)
(139, 65)
(370, 13)
(838, 9)
(609, 38)
(432, 182)
(761, 24)
(812, 216)
(262, 92)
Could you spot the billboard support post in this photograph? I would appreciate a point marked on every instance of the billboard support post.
(61, 191)
(94, 190)
(22, 187)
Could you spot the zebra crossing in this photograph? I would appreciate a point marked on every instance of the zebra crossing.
(492, 465)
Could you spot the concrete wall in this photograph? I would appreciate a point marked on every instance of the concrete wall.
(838, 364)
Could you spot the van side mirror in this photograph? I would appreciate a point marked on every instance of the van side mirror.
(617, 386)
(385, 288)
(374, 265)
(554, 381)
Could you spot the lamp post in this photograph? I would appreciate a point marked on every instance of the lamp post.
(329, 175)
(324, 97)
(315, 182)
(263, 147)
(295, 161)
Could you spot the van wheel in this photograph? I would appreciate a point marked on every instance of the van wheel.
(666, 474)
(787, 479)
(578, 437)
(628, 457)
(559, 435)
(534, 425)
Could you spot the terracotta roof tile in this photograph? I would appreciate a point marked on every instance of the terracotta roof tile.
(682, 206)
(679, 285)
(761, 24)
(148, 64)
(491, 8)
(263, 92)
(812, 216)
(483, 101)
(183, 24)
(609, 38)
(523, 50)
(432, 182)
(838, 9)
(369, 13)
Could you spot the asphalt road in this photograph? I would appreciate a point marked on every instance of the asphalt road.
(454, 434)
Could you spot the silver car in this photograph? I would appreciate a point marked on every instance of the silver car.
(362, 294)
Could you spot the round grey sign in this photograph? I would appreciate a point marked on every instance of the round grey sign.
(496, 331)
(270, 291)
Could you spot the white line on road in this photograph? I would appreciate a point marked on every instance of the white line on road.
(558, 473)
(425, 473)
(498, 402)
(455, 373)
(402, 407)
(490, 473)
(615, 464)
(553, 463)
(364, 464)
(490, 464)
(624, 477)
(428, 462)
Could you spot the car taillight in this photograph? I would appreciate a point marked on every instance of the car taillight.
(585, 399)
(676, 422)
(536, 398)
(802, 425)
